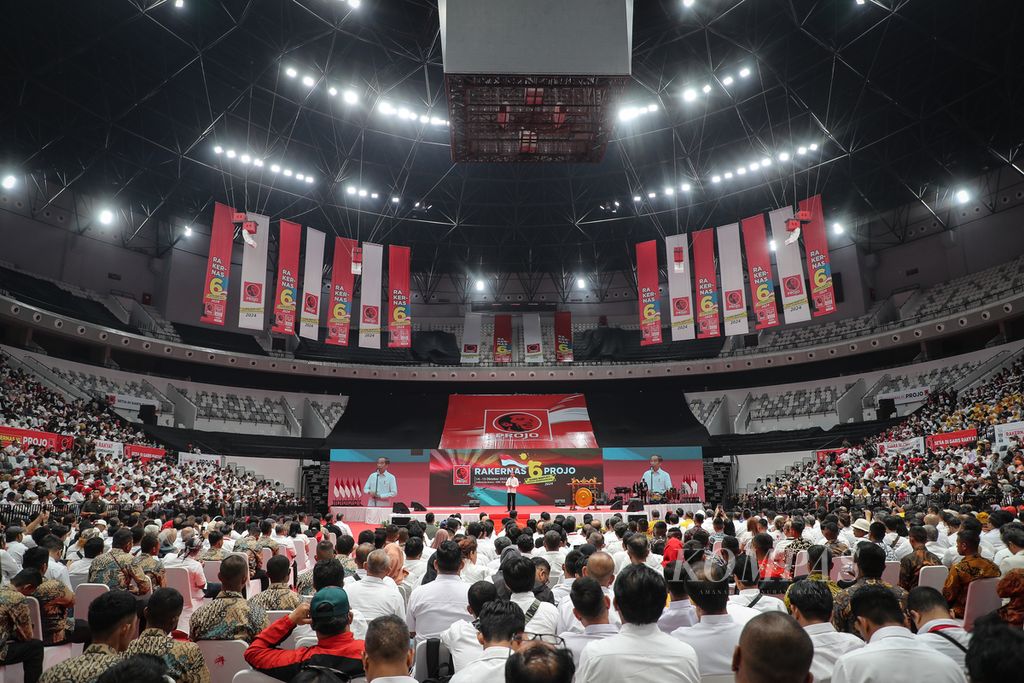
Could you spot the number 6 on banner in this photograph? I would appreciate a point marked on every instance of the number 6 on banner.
(534, 470)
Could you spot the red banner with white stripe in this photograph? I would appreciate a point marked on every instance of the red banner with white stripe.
(759, 271)
(400, 295)
(962, 437)
(287, 278)
(27, 438)
(647, 292)
(339, 315)
(819, 266)
(563, 337)
(218, 266)
(503, 338)
(706, 284)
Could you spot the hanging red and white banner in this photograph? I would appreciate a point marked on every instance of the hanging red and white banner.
(647, 292)
(312, 285)
(517, 421)
(791, 272)
(252, 300)
(471, 329)
(563, 337)
(218, 266)
(759, 272)
(287, 278)
(730, 263)
(29, 438)
(962, 437)
(400, 321)
(502, 338)
(706, 284)
(339, 316)
(369, 296)
(143, 453)
(680, 287)
(531, 338)
(819, 266)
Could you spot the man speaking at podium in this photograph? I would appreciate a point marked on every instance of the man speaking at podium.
(656, 479)
(381, 485)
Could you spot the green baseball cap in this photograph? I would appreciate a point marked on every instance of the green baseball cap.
(329, 603)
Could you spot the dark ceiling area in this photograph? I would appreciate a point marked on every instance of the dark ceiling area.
(126, 102)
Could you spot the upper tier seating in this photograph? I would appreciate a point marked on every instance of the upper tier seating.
(62, 300)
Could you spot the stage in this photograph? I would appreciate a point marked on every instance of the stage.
(375, 516)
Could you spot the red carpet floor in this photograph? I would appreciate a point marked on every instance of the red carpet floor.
(495, 512)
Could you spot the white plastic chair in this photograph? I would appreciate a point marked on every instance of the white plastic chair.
(12, 673)
(224, 658)
(843, 569)
(54, 654)
(211, 568)
(933, 577)
(179, 579)
(251, 676)
(891, 573)
(266, 554)
(84, 595)
(800, 566)
(981, 599)
(301, 562)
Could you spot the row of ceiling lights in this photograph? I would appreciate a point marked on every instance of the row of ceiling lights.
(247, 159)
(388, 109)
(348, 95)
(480, 285)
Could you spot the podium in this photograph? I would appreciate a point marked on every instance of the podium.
(583, 493)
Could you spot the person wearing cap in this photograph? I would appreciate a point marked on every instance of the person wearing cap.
(336, 647)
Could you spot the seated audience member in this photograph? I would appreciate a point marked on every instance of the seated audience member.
(500, 627)
(324, 553)
(327, 574)
(56, 569)
(971, 568)
(680, 611)
(590, 607)
(748, 594)
(1011, 589)
(773, 648)
(931, 616)
(539, 662)
(716, 632)
(1013, 556)
(435, 606)
(601, 567)
(216, 551)
(892, 653)
(572, 569)
(187, 558)
(767, 567)
(113, 622)
(461, 637)
(415, 566)
(183, 659)
(811, 604)
(148, 560)
(819, 558)
(388, 657)
(376, 595)
(137, 669)
(78, 572)
(279, 596)
(520, 576)
(910, 565)
(639, 646)
(996, 652)
(229, 616)
(55, 601)
(870, 561)
(16, 642)
(116, 569)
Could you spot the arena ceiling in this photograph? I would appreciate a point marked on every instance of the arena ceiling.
(127, 102)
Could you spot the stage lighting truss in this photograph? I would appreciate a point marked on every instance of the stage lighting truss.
(389, 110)
(244, 160)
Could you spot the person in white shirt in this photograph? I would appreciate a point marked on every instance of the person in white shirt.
(511, 486)
(434, 606)
(555, 554)
(745, 575)
(590, 607)
(461, 638)
(640, 651)
(638, 550)
(716, 633)
(415, 566)
(774, 641)
(572, 569)
(811, 604)
(187, 559)
(601, 568)
(520, 574)
(387, 657)
(680, 611)
(1013, 557)
(56, 570)
(381, 485)
(15, 547)
(500, 627)
(892, 653)
(372, 596)
(935, 624)
(656, 479)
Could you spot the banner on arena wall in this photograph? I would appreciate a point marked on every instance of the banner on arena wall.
(517, 421)
(914, 395)
(186, 457)
(287, 278)
(502, 338)
(131, 403)
(759, 272)
(339, 315)
(252, 298)
(647, 292)
(902, 447)
(143, 453)
(218, 266)
(730, 263)
(791, 271)
(28, 438)
(312, 285)
(108, 448)
(531, 338)
(1007, 431)
(471, 328)
(369, 296)
(680, 292)
(961, 437)
(563, 337)
(400, 295)
(706, 284)
(828, 454)
(819, 266)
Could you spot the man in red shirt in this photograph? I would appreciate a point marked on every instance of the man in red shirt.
(767, 567)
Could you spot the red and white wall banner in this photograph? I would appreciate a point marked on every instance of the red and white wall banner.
(312, 285)
(339, 315)
(819, 266)
(680, 293)
(502, 338)
(106, 449)
(563, 337)
(28, 438)
(903, 447)
(218, 266)
(647, 292)
(129, 403)
(915, 395)
(961, 437)
(730, 263)
(826, 455)
(143, 452)
(369, 296)
(759, 272)
(791, 272)
(706, 283)
(471, 332)
(531, 338)
(252, 299)
(1007, 432)
(400, 296)
(287, 278)
(519, 421)
(208, 458)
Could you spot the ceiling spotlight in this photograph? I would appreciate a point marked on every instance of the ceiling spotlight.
(362, 193)
(652, 195)
(436, 121)
(188, 231)
(403, 112)
(766, 162)
(771, 244)
(688, 3)
(689, 95)
(300, 176)
(861, 2)
(754, 166)
(350, 190)
(636, 198)
(395, 200)
(424, 118)
(350, 97)
(801, 150)
(581, 283)
(783, 156)
(716, 178)
(275, 168)
(479, 285)
(727, 80)
(231, 154)
(245, 159)
(670, 191)
(179, 3)
(627, 113)
(744, 72)
(106, 216)
(814, 147)
(288, 172)
(962, 196)
(837, 228)
(257, 162)
(374, 195)
(332, 91)
(290, 72)
(741, 171)
(685, 187)
(9, 182)
(387, 109)
(354, 4)
(652, 107)
(706, 89)
(616, 202)
(217, 149)
(309, 180)
(727, 175)
(308, 81)
(416, 205)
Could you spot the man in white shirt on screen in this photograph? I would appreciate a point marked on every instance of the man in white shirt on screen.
(656, 479)
(381, 485)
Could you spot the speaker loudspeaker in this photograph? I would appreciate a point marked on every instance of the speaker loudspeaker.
(635, 505)
(401, 508)
(616, 503)
(418, 507)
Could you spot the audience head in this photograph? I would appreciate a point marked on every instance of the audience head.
(500, 622)
(640, 595)
(870, 560)
(113, 619)
(448, 558)
(164, 609)
(590, 604)
(387, 652)
(233, 574)
(328, 573)
(996, 652)
(773, 649)
(278, 569)
(875, 607)
(519, 574)
(479, 594)
(810, 602)
(329, 611)
(540, 662)
(925, 603)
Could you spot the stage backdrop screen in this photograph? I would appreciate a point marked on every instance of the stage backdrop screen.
(460, 476)
(517, 422)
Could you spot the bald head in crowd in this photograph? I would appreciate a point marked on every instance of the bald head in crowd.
(773, 648)
(601, 567)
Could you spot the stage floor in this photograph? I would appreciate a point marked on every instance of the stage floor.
(374, 516)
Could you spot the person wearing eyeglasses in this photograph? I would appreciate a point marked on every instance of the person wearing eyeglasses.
(499, 627)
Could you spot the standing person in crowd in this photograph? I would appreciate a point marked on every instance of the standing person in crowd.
(183, 658)
(16, 642)
(228, 616)
(279, 596)
(500, 626)
(811, 604)
(971, 568)
(113, 622)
